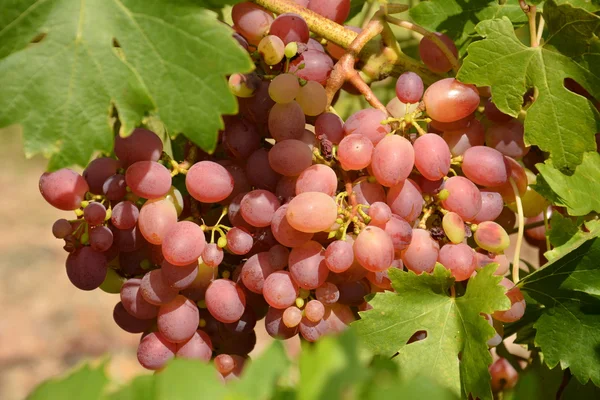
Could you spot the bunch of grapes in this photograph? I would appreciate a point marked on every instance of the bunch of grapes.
(298, 215)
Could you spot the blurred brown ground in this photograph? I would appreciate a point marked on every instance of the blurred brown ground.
(47, 326)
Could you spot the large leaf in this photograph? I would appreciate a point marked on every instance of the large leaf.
(85, 383)
(172, 61)
(458, 18)
(576, 191)
(559, 121)
(455, 328)
(568, 329)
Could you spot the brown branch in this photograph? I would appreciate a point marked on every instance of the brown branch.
(531, 12)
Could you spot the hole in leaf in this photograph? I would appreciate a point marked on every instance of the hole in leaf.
(40, 36)
(459, 355)
(575, 87)
(115, 43)
(417, 336)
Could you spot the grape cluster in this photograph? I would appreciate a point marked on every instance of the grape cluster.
(298, 215)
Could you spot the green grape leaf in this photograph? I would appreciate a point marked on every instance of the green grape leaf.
(458, 19)
(455, 329)
(592, 230)
(140, 388)
(186, 379)
(576, 191)
(86, 382)
(591, 6)
(356, 6)
(559, 121)
(567, 331)
(60, 72)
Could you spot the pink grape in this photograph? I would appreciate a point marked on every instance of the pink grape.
(335, 10)
(518, 174)
(317, 178)
(507, 138)
(128, 322)
(128, 239)
(255, 271)
(125, 215)
(493, 114)
(463, 197)
(312, 65)
(115, 187)
(259, 171)
(312, 331)
(307, 265)
(154, 351)
(368, 193)
(256, 108)
(355, 152)
(280, 290)
(279, 256)
(98, 171)
(286, 188)
(184, 243)
(239, 241)
(459, 259)
(290, 157)
(314, 310)
(86, 268)
(198, 347)
(433, 57)
(251, 20)
(367, 122)
(292, 316)
(209, 182)
(290, 27)
(328, 293)
(286, 121)
(405, 200)
(224, 363)
(285, 233)
(179, 277)
(311, 212)
(409, 88)
(449, 100)
(517, 303)
(225, 300)
(156, 218)
(422, 253)
(461, 140)
(432, 156)
(331, 126)
(399, 231)
(380, 213)
(339, 256)
(258, 207)
(240, 138)
(275, 327)
(485, 166)
(64, 189)
(101, 238)
(212, 255)
(484, 258)
(61, 228)
(141, 145)
(178, 319)
(491, 207)
(393, 160)
(491, 237)
(374, 249)
(94, 213)
(148, 179)
(155, 289)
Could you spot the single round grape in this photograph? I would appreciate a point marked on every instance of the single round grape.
(517, 303)
(184, 243)
(485, 166)
(491, 237)
(284, 88)
(239, 241)
(406, 200)
(155, 288)
(251, 20)
(355, 152)
(393, 160)
(156, 218)
(290, 157)
(178, 319)
(141, 145)
(271, 48)
(312, 65)
(307, 265)
(259, 171)
(399, 231)
(459, 259)
(209, 182)
(154, 351)
(454, 227)
(212, 255)
(339, 256)
(243, 85)
(125, 215)
(433, 57)
(313, 331)
(98, 171)
(432, 156)
(225, 300)
(224, 364)
(314, 310)
(101, 238)
(367, 122)
(198, 347)
(64, 189)
(484, 258)
(240, 138)
(285, 233)
(115, 187)
(463, 198)
(280, 290)
(258, 207)
(128, 240)
(368, 193)
(491, 207)
(311, 212)
(493, 114)
(449, 100)
(128, 322)
(409, 88)
(317, 178)
(148, 179)
(86, 268)
(279, 256)
(422, 253)
(328, 293)
(134, 302)
(292, 316)
(461, 140)
(374, 249)
(335, 10)
(507, 138)
(275, 327)
(380, 213)
(254, 272)
(286, 121)
(179, 277)
(503, 375)
(398, 109)
(290, 28)
(61, 228)
(312, 98)
(330, 126)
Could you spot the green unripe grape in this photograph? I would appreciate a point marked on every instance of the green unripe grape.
(113, 282)
(454, 227)
(272, 49)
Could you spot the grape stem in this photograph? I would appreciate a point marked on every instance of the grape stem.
(548, 245)
(531, 12)
(429, 35)
(521, 231)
